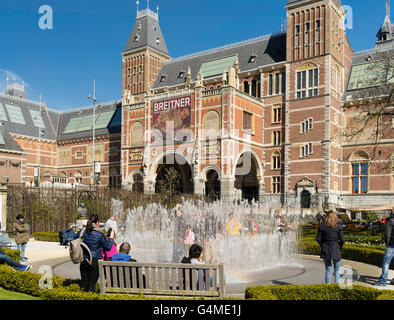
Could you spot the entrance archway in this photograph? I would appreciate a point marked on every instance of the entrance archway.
(174, 171)
(247, 177)
(212, 185)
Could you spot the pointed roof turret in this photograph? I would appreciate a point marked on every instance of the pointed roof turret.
(147, 33)
(385, 33)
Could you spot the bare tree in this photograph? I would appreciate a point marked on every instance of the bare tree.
(374, 102)
(171, 182)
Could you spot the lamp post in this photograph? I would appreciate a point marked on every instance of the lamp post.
(94, 128)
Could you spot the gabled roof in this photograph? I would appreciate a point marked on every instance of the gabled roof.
(267, 50)
(147, 34)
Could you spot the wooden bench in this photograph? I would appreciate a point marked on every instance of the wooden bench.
(162, 279)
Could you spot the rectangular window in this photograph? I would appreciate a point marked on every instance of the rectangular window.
(307, 83)
(306, 150)
(271, 84)
(297, 37)
(360, 177)
(248, 122)
(276, 185)
(306, 125)
(276, 138)
(276, 115)
(317, 30)
(283, 82)
(277, 83)
(307, 33)
(276, 162)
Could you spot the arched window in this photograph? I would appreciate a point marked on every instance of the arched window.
(360, 171)
(78, 177)
(211, 124)
(137, 134)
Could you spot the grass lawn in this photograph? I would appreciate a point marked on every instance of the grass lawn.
(10, 295)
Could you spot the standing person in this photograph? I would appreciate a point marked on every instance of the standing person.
(279, 225)
(111, 224)
(94, 238)
(107, 255)
(330, 238)
(22, 235)
(253, 228)
(232, 227)
(389, 254)
(189, 238)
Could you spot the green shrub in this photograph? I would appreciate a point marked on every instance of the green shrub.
(312, 292)
(13, 254)
(46, 236)
(386, 296)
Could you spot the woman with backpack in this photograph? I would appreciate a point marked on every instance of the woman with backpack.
(95, 240)
(330, 238)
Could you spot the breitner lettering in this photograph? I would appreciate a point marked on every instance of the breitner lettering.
(178, 103)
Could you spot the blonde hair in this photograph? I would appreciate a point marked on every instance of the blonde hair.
(331, 220)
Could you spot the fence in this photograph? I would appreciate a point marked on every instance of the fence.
(51, 209)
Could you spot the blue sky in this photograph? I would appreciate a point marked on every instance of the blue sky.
(88, 37)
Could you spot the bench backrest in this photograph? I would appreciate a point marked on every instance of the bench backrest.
(162, 279)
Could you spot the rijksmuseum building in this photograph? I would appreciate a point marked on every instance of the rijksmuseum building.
(262, 119)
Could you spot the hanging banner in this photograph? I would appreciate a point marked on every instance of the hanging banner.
(171, 117)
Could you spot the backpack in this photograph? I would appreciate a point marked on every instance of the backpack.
(76, 250)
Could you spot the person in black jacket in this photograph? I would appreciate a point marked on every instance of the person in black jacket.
(389, 254)
(331, 239)
(95, 239)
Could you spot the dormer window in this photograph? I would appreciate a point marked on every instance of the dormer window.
(140, 26)
(253, 58)
(182, 74)
(157, 40)
(137, 38)
(163, 78)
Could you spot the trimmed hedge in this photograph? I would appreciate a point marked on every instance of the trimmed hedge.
(46, 236)
(63, 289)
(13, 254)
(314, 292)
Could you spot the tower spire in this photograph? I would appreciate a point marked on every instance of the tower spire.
(137, 5)
(388, 12)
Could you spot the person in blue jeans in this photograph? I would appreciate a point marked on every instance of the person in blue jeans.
(389, 254)
(5, 259)
(330, 238)
(196, 255)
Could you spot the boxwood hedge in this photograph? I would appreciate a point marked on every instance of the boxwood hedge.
(314, 292)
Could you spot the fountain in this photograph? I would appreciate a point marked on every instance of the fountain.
(157, 235)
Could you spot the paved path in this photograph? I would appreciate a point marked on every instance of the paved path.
(306, 270)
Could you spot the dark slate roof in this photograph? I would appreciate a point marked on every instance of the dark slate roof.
(269, 50)
(147, 30)
(28, 129)
(10, 143)
(115, 124)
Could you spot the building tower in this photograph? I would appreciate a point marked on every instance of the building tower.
(318, 62)
(145, 53)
